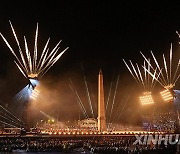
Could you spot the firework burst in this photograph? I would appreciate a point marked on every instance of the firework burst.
(143, 79)
(28, 62)
(167, 77)
(141, 76)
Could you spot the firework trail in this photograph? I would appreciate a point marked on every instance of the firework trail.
(32, 67)
(28, 63)
(166, 76)
(142, 76)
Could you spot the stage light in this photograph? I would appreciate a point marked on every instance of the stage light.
(166, 95)
(146, 98)
(33, 88)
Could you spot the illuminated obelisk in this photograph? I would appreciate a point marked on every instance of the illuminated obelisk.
(101, 107)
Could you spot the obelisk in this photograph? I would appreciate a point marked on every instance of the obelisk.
(101, 107)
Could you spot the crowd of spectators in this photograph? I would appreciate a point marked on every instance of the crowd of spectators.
(165, 121)
(161, 122)
(97, 144)
(121, 127)
(86, 145)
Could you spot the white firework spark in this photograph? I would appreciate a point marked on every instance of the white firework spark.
(167, 77)
(141, 76)
(29, 64)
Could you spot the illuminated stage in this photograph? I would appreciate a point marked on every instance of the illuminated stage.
(80, 134)
(34, 68)
(115, 133)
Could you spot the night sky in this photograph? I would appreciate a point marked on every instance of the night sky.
(98, 34)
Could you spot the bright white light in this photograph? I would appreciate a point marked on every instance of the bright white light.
(34, 94)
(167, 75)
(33, 82)
(28, 63)
(146, 98)
(33, 87)
(166, 95)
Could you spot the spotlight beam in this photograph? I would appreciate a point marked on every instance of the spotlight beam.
(125, 102)
(10, 120)
(87, 91)
(113, 102)
(118, 108)
(10, 113)
(107, 103)
(7, 124)
(46, 115)
(79, 99)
